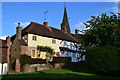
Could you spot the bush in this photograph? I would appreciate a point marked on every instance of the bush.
(61, 59)
(45, 48)
(25, 59)
(104, 59)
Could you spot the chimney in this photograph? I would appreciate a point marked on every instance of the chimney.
(18, 31)
(76, 31)
(45, 23)
(8, 39)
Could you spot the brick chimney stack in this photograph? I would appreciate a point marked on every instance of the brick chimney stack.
(45, 23)
(8, 39)
(18, 32)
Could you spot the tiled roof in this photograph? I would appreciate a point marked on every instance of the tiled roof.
(66, 49)
(79, 37)
(47, 31)
(22, 42)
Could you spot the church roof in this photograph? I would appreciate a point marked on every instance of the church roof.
(47, 31)
(65, 23)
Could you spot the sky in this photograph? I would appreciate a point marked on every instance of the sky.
(25, 12)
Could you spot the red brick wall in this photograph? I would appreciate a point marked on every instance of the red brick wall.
(17, 66)
(8, 39)
(3, 55)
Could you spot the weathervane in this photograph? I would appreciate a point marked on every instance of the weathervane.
(45, 15)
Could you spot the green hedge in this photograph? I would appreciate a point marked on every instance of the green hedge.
(104, 59)
(25, 59)
(61, 59)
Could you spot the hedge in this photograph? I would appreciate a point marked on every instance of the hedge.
(25, 59)
(61, 59)
(104, 59)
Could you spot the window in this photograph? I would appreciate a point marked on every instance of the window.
(53, 41)
(34, 38)
(33, 53)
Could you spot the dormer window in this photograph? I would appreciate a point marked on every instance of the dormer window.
(34, 38)
(53, 41)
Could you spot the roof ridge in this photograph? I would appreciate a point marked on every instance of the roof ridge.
(56, 29)
(47, 31)
(51, 27)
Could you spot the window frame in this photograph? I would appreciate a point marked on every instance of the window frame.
(33, 53)
(34, 38)
(53, 41)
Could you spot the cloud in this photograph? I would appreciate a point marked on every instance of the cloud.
(22, 24)
(3, 37)
(119, 6)
(80, 26)
(115, 7)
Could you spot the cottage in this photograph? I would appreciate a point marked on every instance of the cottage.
(26, 40)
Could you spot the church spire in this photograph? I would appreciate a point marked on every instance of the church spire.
(65, 23)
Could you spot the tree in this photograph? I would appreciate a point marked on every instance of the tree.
(102, 30)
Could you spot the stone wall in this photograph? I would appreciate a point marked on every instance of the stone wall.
(61, 65)
(36, 67)
(24, 49)
(15, 50)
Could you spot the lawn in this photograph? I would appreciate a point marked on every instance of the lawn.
(60, 74)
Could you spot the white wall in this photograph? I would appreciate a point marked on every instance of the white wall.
(45, 41)
(3, 70)
(69, 45)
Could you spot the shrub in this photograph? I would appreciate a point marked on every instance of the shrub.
(104, 59)
(25, 59)
(45, 48)
(61, 59)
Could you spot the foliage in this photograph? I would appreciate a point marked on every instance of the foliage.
(25, 59)
(45, 48)
(102, 30)
(104, 59)
(62, 59)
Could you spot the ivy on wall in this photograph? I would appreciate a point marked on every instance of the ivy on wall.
(45, 48)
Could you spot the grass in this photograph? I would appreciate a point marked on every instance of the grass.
(59, 74)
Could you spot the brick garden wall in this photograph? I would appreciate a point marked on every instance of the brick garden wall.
(35, 67)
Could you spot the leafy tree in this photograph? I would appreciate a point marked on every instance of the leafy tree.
(102, 30)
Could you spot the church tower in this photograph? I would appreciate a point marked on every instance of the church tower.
(65, 23)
